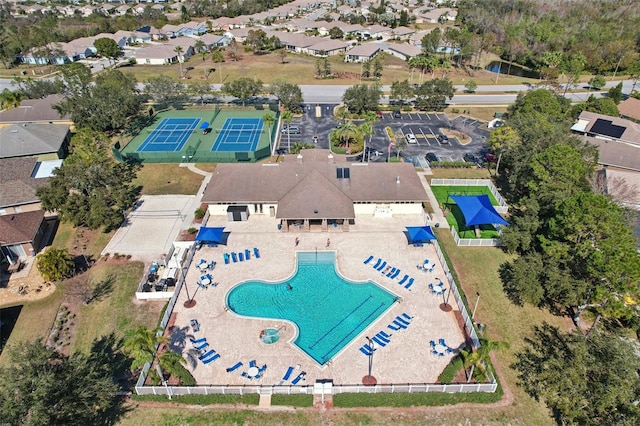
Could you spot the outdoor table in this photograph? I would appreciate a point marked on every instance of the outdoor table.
(440, 349)
(438, 289)
(253, 371)
(205, 280)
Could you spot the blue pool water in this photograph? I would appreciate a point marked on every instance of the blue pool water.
(328, 310)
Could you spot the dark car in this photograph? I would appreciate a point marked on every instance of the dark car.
(431, 157)
(443, 139)
(291, 130)
(470, 158)
(396, 114)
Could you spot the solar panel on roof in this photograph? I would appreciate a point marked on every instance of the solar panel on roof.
(607, 128)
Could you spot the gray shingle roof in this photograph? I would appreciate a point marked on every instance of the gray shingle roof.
(31, 110)
(21, 140)
(17, 187)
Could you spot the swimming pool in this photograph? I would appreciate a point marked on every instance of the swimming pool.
(328, 310)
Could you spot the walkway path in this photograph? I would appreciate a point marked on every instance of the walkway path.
(197, 201)
(437, 217)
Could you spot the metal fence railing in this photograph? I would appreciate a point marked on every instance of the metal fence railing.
(503, 206)
(475, 242)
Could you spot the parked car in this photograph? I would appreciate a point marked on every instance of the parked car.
(443, 139)
(396, 114)
(431, 157)
(379, 114)
(291, 130)
(411, 138)
(470, 158)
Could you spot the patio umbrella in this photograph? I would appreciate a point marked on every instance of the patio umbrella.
(204, 125)
(420, 234)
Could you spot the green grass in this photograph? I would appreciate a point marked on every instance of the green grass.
(247, 399)
(178, 416)
(162, 179)
(455, 218)
(431, 399)
(116, 312)
(292, 400)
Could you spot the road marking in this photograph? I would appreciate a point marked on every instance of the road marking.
(428, 117)
(419, 118)
(410, 116)
(425, 137)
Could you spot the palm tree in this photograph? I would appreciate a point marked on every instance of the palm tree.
(345, 132)
(179, 50)
(343, 114)
(10, 98)
(478, 359)
(140, 343)
(173, 363)
(365, 129)
(268, 119)
(287, 116)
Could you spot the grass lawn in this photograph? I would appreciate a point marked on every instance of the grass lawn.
(161, 179)
(455, 217)
(117, 311)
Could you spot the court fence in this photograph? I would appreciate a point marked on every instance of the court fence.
(475, 242)
(502, 208)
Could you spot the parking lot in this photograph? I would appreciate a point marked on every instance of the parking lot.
(425, 126)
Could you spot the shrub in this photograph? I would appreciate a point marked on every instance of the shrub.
(450, 371)
(199, 213)
(192, 230)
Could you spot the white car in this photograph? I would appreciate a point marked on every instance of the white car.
(411, 138)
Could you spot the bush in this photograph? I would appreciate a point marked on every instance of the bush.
(199, 213)
(450, 371)
(192, 230)
(430, 399)
(247, 399)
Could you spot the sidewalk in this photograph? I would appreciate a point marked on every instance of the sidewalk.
(437, 217)
(197, 200)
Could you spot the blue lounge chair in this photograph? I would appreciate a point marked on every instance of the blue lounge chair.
(409, 284)
(244, 374)
(391, 272)
(241, 256)
(256, 252)
(395, 274)
(247, 254)
(210, 360)
(226, 259)
(200, 340)
(404, 279)
(395, 324)
(300, 376)
(384, 334)
(394, 327)
(211, 265)
(257, 376)
(252, 363)
(369, 259)
(262, 369)
(407, 316)
(400, 324)
(206, 355)
(381, 267)
(402, 320)
(202, 346)
(365, 351)
(234, 367)
(377, 263)
(234, 257)
(432, 343)
(287, 374)
(441, 341)
(379, 341)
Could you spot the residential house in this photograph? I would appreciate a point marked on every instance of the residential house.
(327, 48)
(435, 16)
(35, 111)
(49, 141)
(161, 54)
(363, 53)
(20, 179)
(402, 50)
(630, 109)
(213, 40)
(22, 234)
(403, 33)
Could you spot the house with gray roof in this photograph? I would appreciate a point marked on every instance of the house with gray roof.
(49, 141)
(19, 181)
(363, 53)
(315, 190)
(37, 111)
(327, 48)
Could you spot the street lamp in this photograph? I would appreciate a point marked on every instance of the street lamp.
(369, 380)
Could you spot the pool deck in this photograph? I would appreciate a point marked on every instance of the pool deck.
(407, 359)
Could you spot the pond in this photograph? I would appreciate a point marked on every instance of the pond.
(515, 70)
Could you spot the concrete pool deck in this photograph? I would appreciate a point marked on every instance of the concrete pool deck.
(407, 359)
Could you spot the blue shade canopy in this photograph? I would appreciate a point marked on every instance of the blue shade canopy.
(420, 234)
(213, 235)
(204, 125)
(477, 210)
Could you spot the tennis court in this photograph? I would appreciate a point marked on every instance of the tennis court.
(170, 135)
(238, 134)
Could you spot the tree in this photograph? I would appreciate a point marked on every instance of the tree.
(345, 133)
(141, 344)
(40, 386)
(173, 363)
(634, 74)
(362, 98)
(243, 88)
(38, 89)
(366, 69)
(10, 98)
(615, 93)
(269, 119)
(470, 86)
(401, 91)
(323, 68)
(365, 129)
(597, 82)
(289, 95)
(582, 381)
(106, 106)
(108, 48)
(234, 50)
(404, 18)
(283, 55)
(477, 359)
(218, 58)
(432, 94)
(501, 140)
(605, 106)
(336, 33)
(179, 50)
(55, 264)
(201, 47)
(198, 89)
(571, 66)
(377, 68)
(164, 90)
(91, 188)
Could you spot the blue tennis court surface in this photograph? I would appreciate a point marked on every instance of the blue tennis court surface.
(238, 134)
(170, 135)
